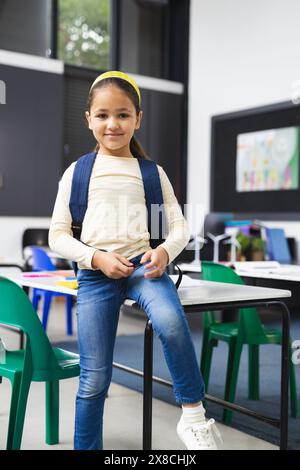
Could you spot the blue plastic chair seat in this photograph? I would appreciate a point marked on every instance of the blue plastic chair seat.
(42, 262)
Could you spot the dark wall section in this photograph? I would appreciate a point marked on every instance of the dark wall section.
(164, 128)
(77, 138)
(31, 126)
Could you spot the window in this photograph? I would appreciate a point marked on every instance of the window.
(84, 33)
(144, 37)
(26, 26)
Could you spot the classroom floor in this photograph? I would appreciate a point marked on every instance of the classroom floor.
(123, 412)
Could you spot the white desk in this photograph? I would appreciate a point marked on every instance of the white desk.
(195, 296)
(284, 272)
(191, 291)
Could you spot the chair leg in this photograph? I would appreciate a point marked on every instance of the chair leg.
(52, 412)
(234, 356)
(253, 372)
(15, 390)
(293, 388)
(69, 301)
(46, 309)
(20, 389)
(204, 349)
(206, 361)
(35, 300)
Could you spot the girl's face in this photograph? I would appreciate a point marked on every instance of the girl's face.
(113, 120)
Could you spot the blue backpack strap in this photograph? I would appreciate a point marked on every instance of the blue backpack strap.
(79, 191)
(79, 194)
(153, 195)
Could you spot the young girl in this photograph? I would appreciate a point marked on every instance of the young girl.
(126, 268)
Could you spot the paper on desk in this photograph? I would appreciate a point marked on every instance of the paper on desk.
(57, 273)
(261, 265)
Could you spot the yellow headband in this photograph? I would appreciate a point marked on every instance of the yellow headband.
(117, 74)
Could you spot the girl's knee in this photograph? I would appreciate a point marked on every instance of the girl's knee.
(94, 382)
(171, 323)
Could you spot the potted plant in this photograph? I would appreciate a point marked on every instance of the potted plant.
(251, 248)
(257, 249)
(245, 245)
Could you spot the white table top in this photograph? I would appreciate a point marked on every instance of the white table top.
(286, 272)
(8, 261)
(283, 272)
(191, 291)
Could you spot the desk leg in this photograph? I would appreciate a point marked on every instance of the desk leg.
(285, 364)
(147, 395)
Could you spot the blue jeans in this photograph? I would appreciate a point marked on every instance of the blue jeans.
(98, 304)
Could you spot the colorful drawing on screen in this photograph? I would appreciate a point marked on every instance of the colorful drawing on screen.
(268, 160)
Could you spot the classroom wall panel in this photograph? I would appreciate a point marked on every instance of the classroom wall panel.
(31, 124)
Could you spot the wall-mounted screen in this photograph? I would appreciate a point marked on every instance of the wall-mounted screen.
(268, 160)
(255, 161)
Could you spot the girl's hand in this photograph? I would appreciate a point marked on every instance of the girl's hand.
(159, 259)
(112, 265)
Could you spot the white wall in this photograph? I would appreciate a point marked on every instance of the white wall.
(242, 54)
(11, 231)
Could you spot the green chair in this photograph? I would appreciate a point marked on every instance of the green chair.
(38, 362)
(248, 330)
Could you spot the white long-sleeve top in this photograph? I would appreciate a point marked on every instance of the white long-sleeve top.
(116, 216)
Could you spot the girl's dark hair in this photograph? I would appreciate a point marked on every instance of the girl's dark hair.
(135, 147)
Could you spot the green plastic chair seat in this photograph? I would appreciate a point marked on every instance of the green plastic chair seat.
(225, 332)
(67, 361)
(38, 362)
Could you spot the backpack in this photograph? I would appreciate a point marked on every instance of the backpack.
(153, 195)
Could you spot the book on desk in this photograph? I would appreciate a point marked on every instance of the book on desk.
(277, 248)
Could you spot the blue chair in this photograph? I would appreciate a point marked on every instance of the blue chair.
(42, 262)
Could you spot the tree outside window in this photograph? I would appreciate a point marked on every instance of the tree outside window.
(84, 33)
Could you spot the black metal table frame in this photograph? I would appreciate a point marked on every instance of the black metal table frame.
(281, 423)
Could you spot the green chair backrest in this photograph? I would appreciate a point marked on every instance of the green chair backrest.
(17, 310)
(250, 325)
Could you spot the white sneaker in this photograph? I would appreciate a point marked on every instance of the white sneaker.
(198, 436)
